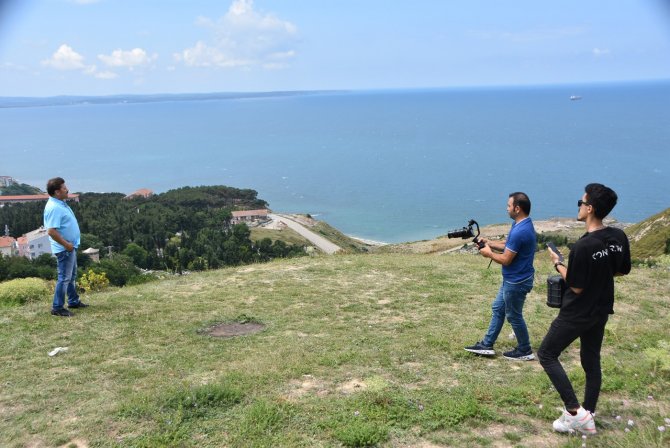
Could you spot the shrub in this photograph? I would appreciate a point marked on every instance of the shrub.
(23, 290)
(137, 253)
(119, 269)
(544, 238)
(92, 281)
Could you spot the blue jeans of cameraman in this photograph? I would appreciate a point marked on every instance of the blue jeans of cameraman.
(508, 304)
(67, 273)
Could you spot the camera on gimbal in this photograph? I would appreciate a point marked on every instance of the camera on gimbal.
(468, 232)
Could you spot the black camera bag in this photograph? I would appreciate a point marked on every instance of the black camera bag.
(555, 290)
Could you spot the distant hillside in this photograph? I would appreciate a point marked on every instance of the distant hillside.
(19, 189)
(651, 237)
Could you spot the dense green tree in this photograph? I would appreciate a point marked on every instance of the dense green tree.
(136, 253)
(185, 228)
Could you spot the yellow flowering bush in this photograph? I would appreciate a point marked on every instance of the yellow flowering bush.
(92, 281)
(24, 290)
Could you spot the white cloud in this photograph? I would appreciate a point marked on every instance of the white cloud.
(243, 37)
(203, 55)
(133, 58)
(598, 52)
(65, 58)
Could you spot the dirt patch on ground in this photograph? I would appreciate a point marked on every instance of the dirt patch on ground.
(307, 385)
(352, 386)
(76, 443)
(234, 329)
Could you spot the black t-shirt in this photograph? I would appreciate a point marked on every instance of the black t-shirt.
(618, 247)
(593, 261)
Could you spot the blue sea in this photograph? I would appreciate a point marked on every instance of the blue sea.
(392, 165)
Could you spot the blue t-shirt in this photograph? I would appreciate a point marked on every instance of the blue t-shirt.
(522, 241)
(58, 215)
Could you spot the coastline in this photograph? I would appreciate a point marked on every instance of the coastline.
(442, 244)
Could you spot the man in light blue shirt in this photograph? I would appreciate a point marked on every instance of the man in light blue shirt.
(64, 235)
(518, 252)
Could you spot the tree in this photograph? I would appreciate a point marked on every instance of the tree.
(138, 254)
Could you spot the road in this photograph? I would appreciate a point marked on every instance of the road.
(319, 241)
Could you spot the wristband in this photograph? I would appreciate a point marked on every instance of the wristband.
(557, 264)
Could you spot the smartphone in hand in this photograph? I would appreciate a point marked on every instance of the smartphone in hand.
(555, 250)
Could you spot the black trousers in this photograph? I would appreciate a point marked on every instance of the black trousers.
(561, 334)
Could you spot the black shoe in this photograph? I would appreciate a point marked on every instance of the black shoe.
(481, 349)
(517, 355)
(62, 312)
(78, 305)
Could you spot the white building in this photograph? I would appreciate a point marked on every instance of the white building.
(6, 181)
(37, 243)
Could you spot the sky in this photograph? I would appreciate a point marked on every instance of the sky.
(110, 47)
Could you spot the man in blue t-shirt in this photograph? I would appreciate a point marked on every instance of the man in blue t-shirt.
(64, 235)
(516, 258)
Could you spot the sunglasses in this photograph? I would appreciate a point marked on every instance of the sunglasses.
(580, 203)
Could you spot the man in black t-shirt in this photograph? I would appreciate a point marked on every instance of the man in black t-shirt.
(599, 255)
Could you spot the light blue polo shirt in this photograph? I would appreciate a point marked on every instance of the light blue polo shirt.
(522, 241)
(58, 215)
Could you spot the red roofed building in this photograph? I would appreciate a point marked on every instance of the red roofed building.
(31, 198)
(22, 243)
(241, 216)
(141, 193)
(8, 246)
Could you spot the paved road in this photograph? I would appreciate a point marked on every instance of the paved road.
(319, 241)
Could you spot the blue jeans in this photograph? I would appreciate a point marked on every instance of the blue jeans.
(509, 304)
(67, 273)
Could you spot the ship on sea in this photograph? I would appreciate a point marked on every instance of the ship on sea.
(575, 98)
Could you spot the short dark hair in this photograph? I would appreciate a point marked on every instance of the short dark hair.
(601, 198)
(522, 200)
(54, 184)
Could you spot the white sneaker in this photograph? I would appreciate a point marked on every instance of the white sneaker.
(582, 422)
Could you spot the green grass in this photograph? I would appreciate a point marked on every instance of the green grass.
(286, 235)
(358, 350)
(649, 238)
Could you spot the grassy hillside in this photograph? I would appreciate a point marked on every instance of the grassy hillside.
(650, 237)
(286, 235)
(356, 350)
(348, 245)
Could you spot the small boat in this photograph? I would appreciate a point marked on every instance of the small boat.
(575, 98)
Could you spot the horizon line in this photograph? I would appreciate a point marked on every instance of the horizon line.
(317, 91)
